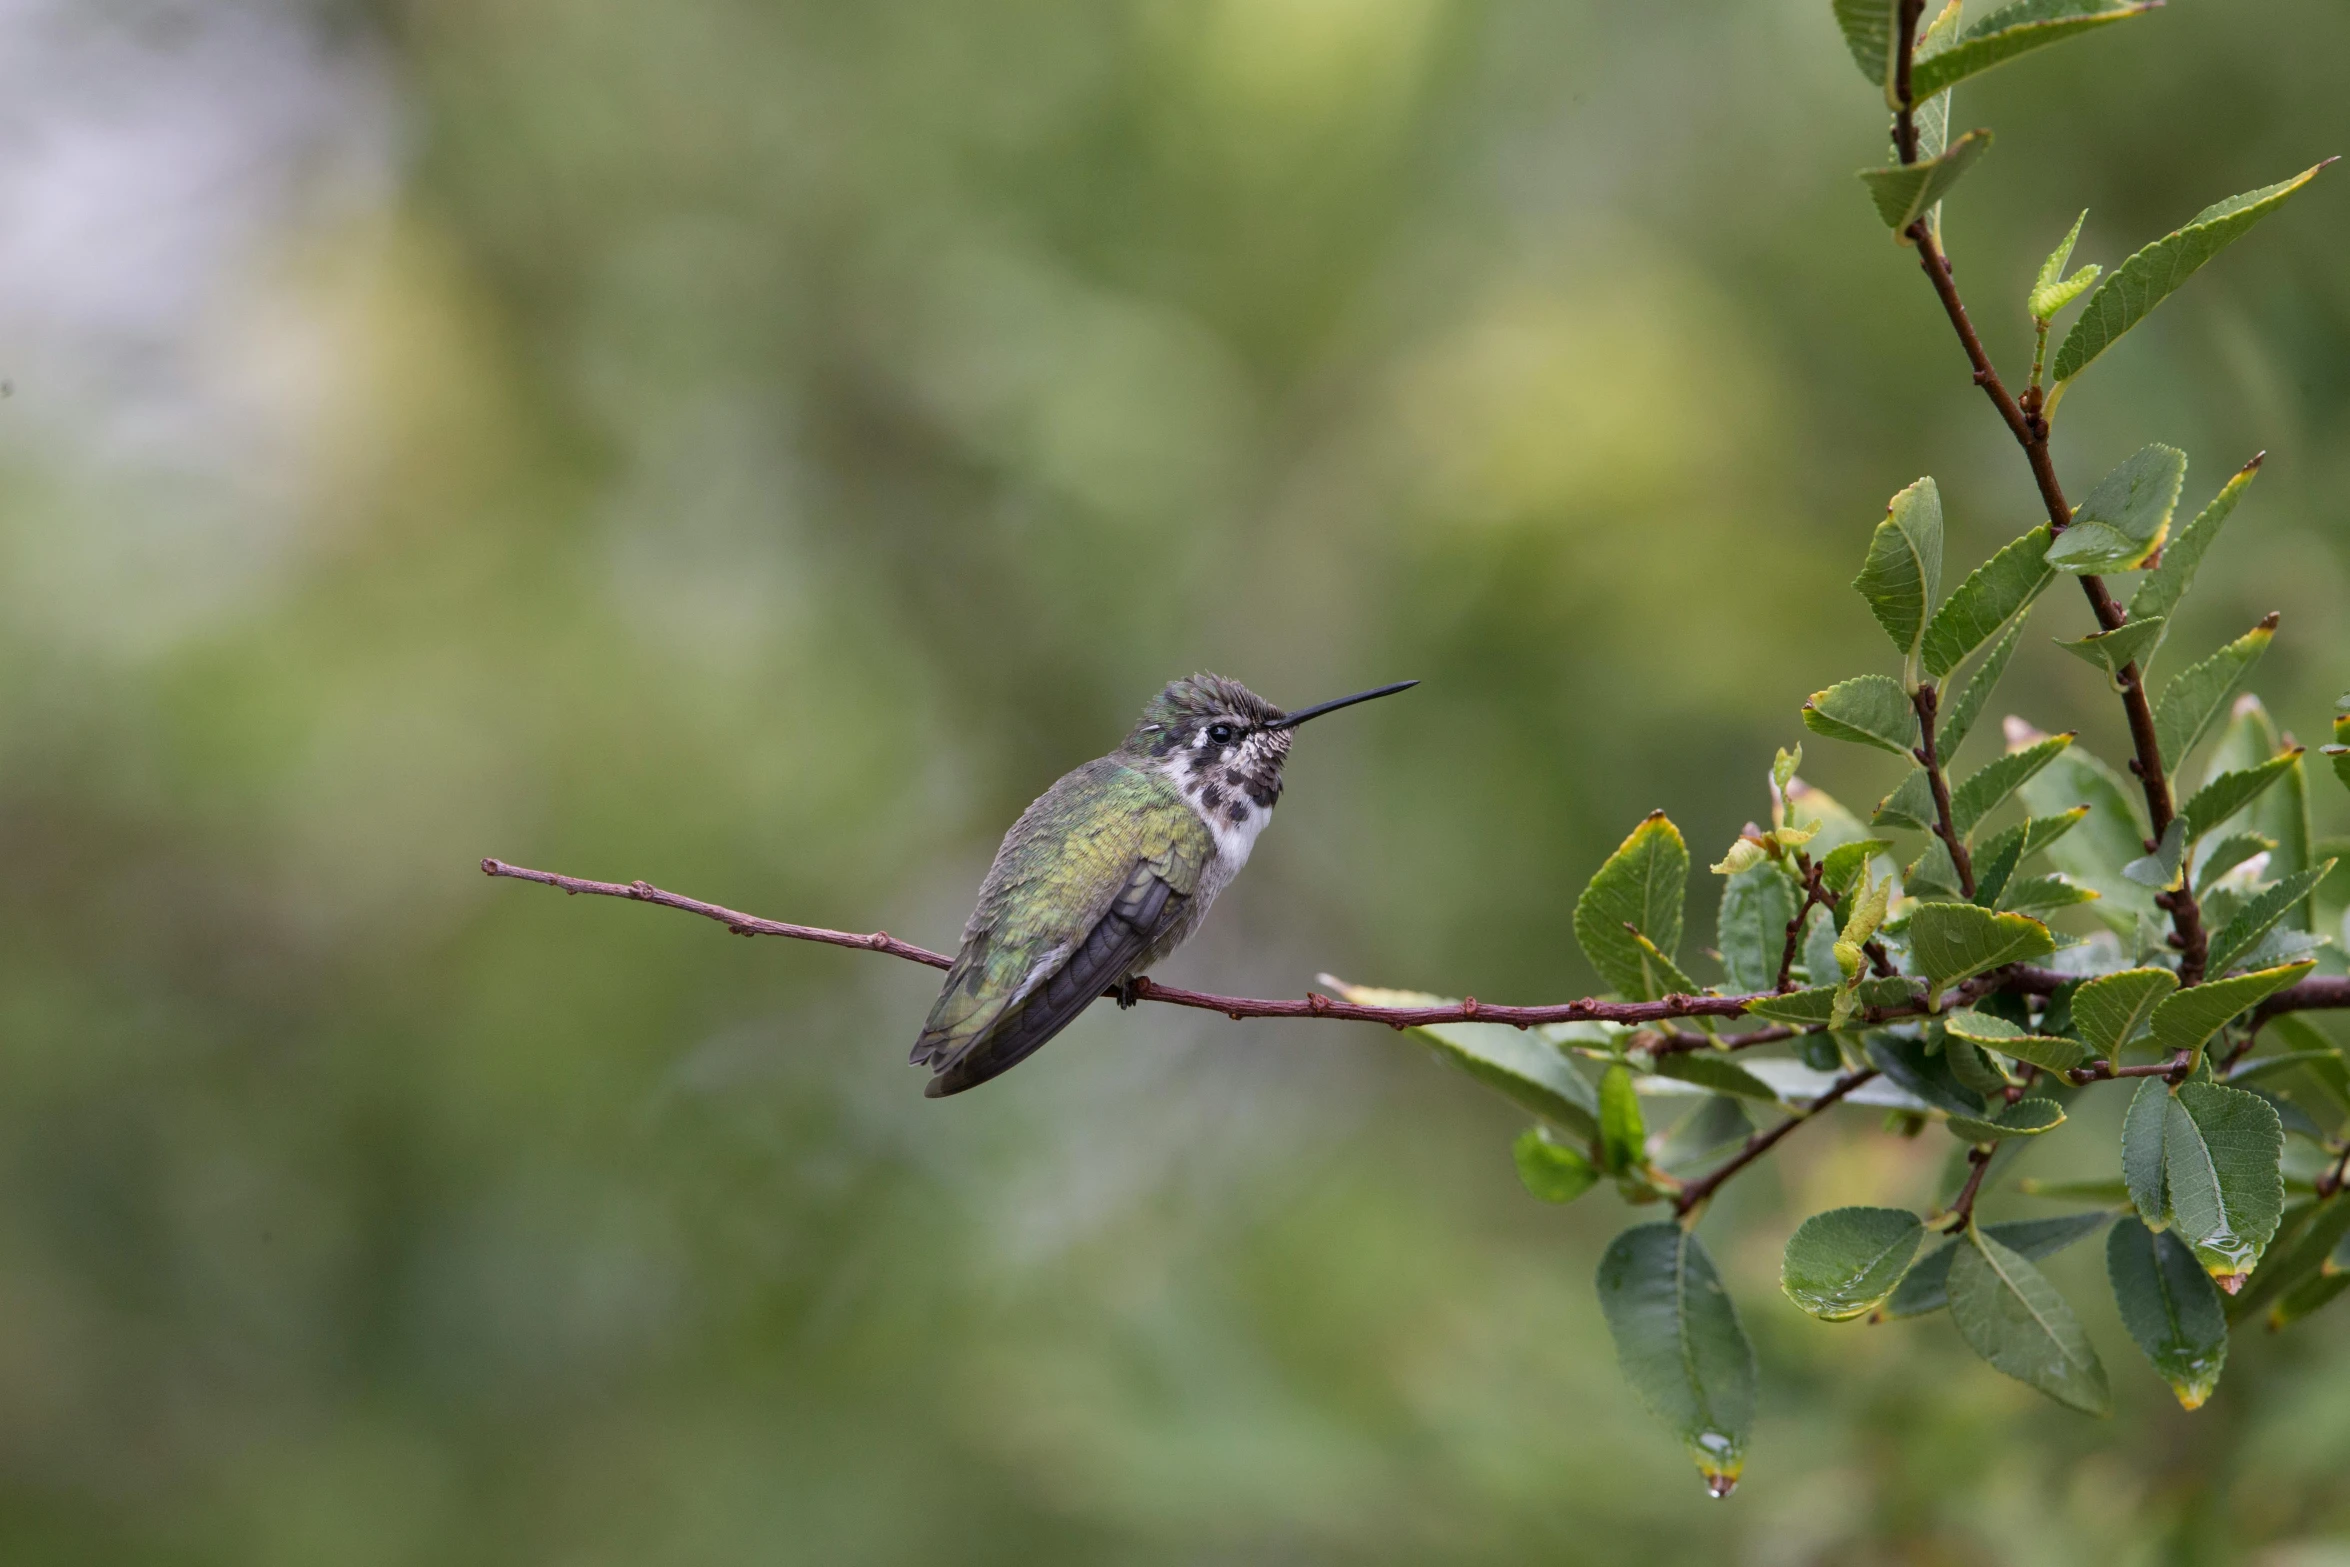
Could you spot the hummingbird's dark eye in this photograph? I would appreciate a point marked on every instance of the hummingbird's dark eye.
(1220, 734)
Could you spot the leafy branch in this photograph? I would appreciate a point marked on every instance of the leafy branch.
(1964, 986)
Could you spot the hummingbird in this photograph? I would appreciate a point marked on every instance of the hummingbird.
(1109, 871)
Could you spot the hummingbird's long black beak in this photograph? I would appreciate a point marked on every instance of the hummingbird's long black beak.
(1292, 720)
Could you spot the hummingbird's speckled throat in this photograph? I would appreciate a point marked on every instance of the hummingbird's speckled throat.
(1109, 870)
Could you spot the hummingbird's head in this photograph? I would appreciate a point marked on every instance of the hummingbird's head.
(1223, 745)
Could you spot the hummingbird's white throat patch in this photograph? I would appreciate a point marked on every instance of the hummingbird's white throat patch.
(1232, 787)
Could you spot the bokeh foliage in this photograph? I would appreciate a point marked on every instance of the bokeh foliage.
(755, 446)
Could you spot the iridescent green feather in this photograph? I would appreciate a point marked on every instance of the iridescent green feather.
(1060, 868)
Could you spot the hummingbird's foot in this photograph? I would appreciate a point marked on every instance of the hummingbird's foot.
(1130, 991)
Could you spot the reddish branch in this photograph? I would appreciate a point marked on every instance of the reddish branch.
(2017, 977)
(2027, 424)
(1928, 703)
(1962, 1208)
(1764, 1141)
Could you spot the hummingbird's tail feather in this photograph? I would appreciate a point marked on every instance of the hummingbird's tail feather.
(1107, 956)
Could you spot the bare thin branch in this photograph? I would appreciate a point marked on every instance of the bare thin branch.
(1764, 1141)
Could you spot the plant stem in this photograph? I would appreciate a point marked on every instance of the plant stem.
(1763, 1142)
(1928, 702)
(2023, 979)
(1815, 895)
(2031, 432)
(1962, 1211)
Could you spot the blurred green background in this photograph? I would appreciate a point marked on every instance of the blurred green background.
(756, 446)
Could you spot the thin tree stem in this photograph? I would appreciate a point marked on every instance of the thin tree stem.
(2021, 978)
(1763, 1142)
(1928, 703)
(2031, 432)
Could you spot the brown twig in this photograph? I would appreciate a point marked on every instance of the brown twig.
(2030, 429)
(1815, 895)
(1928, 704)
(1962, 1209)
(2020, 978)
(1763, 1142)
(1905, 129)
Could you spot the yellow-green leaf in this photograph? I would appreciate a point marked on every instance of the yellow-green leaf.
(2126, 517)
(2013, 30)
(2149, 277)
(1641, 886)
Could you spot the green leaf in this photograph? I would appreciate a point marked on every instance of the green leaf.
(1520, 1065)
(2340, 749)
(2010, 31)
(1679, 1342)
(1661, 976)
(1933, 875)
(2126, 517)
(1847, 863)
(2030, 836)
(1927, 1078)
(1745, 854)
(1719, 1073)
(2163, 869)
(2167, 583)
(1927, 1286)
(1958, 718)
(2170, 1306)
(2150, 276)
(2144, 1128)
(2255, 919)
(2109, 837)
(1902, 576)
(2027, 1117)
(1867, 710)
(1844, 1263)
(1640, 886)
(2039, 896)
(2199, 694)
(1932, 116)
(1911, 805)
(2052, 290)
(1623, 1131)
(1905, 192)
(1783, 769)
(2049, 1052)
(2229, 793)
(2186, 1018)
(2220, 1152)
(2115, 650)
(1815, 1004)
(1988, 789)
(2010, 1314)
(1993, 594)
(2109, 1013)
(1973, 1067)
(2225, 855)
(1955, 941)
(2282, 813)
(1550, 1169)
(1872, 31)
(1994, 869)
(1751, 929)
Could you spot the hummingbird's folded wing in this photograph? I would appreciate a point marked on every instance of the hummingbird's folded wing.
(1088, 881)
(1132, 925)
